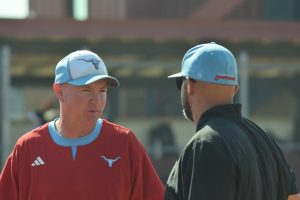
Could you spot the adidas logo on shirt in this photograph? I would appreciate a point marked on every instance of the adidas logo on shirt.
(37, 162)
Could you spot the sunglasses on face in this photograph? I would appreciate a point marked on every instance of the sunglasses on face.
(179, 81)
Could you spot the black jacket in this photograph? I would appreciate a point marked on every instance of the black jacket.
(230, 158)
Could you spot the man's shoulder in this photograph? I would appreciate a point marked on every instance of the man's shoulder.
(207, 133)
(217, 131)
(116, 128)
(116, 132)
(36, 134)
(221, 126)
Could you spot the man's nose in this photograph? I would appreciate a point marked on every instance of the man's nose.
(96, 97)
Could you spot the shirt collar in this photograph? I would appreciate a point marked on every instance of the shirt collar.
(227, 111)
(60, 140)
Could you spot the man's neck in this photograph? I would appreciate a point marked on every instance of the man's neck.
(70, 130)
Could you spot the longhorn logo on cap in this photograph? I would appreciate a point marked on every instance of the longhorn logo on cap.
(93, 61)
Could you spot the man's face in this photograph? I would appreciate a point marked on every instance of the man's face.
(186, 108)
(84, 103)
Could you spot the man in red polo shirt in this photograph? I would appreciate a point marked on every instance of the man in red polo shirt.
(79, 155)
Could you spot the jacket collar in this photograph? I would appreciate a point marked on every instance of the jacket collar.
(227, 111)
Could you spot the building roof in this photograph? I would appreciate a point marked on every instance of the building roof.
(179, 29)
(212, 9)
(42, 42)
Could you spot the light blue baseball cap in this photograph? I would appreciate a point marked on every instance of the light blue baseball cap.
(82, 67)
(210, 63)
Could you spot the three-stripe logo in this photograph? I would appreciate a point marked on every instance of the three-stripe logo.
(37, 162)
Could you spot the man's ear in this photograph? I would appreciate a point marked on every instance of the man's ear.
(191, 87)
(58, 91)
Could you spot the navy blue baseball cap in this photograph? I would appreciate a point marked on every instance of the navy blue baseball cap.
(82, 67)
(210, 63)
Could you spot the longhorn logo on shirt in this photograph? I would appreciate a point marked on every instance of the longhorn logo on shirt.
(110, 162)
(93, 61)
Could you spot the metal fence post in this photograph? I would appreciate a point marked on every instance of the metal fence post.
(244, 82)
(5, 56)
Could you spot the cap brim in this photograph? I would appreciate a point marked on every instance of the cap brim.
(111, 81)
(176, 75)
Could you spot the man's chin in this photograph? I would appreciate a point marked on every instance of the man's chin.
(93, 117)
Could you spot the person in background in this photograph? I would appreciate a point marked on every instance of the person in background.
(79, 155)
(229, 157)
(46, 113)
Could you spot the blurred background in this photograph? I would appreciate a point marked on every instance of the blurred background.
(142, 42)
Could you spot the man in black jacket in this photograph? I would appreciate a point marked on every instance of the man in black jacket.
(230, 157)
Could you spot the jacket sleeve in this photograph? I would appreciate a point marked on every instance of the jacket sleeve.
(287, 175)
(146, 183)
(202, 172)
(9, 178)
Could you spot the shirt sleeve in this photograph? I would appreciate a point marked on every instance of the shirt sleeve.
(203, 171)
(9, 178)
(146, 183)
